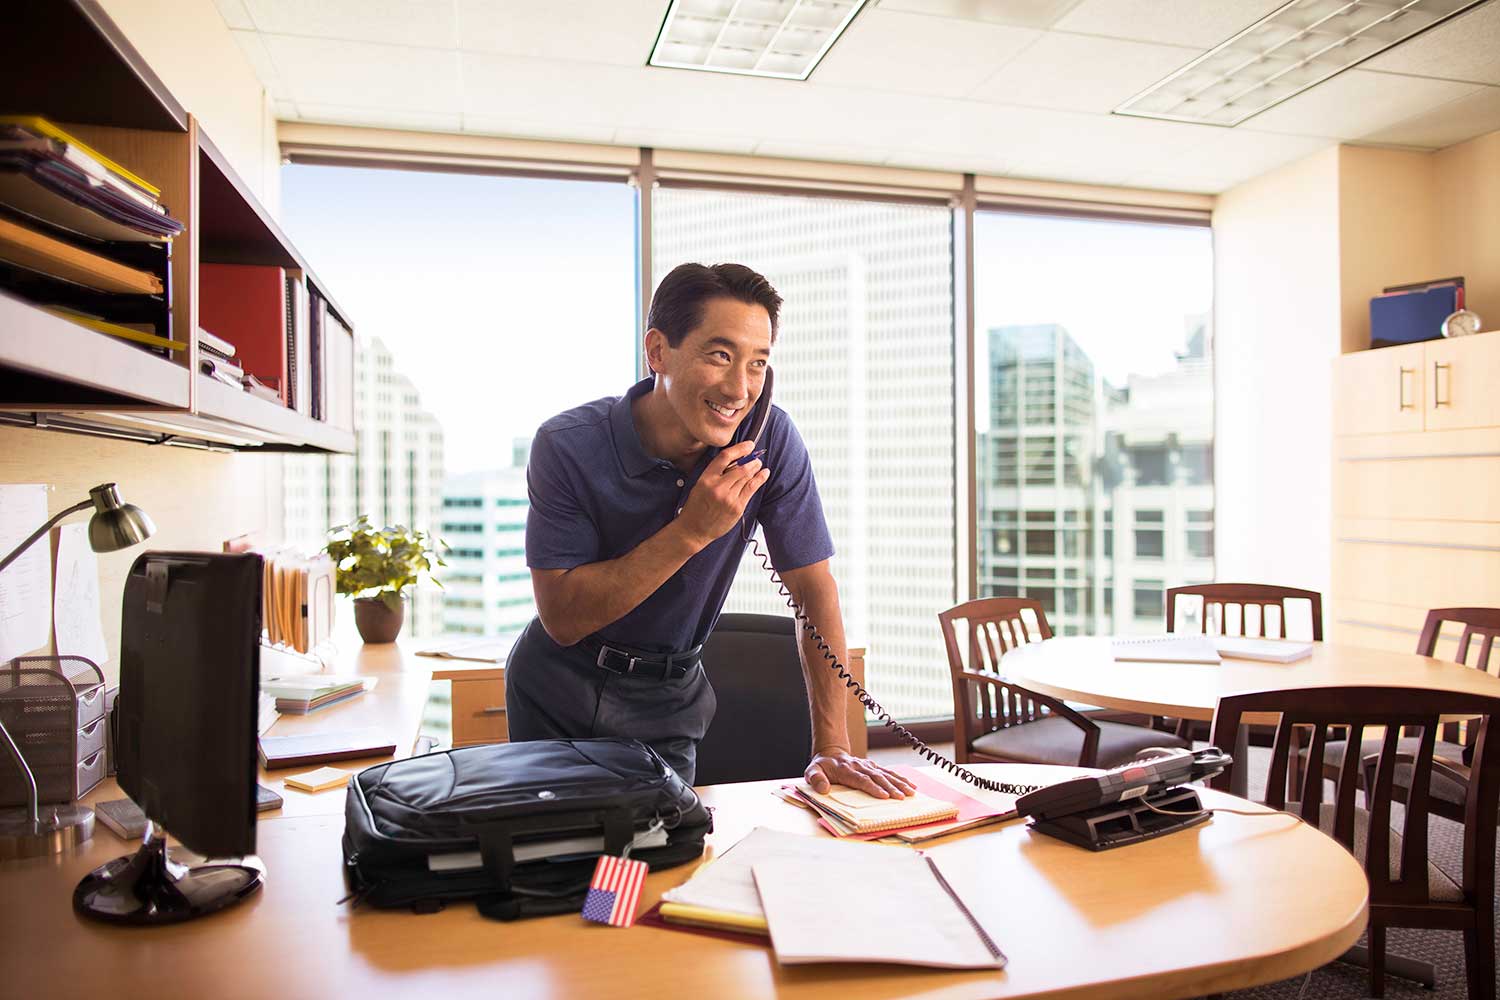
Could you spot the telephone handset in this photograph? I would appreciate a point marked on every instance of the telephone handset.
(758, 418)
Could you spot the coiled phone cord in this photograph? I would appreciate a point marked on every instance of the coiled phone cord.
(863, 697)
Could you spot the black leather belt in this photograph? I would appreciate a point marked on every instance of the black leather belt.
(618, 660)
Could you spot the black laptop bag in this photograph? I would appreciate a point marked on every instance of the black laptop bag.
(472, 808)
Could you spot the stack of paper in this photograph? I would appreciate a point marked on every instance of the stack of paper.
(897, 909)
(1165, 649)
(1270, 650)
(303, 693)
(850, 812)
(722, 893)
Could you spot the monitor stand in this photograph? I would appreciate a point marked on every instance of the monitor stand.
(148, 887)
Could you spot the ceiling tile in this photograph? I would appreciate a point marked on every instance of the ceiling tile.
(424, 121)
(1018, 13)
(534, 128)
(1179, 180)
(606, 31)
(235, 15)
(394, 22)
(1356, 103)
(358, 74)
(1082, 73)
(1456, 121)
(919, 55)
(581, 94)
(1038, 141)
(1170, 22)
(1465, 48)
(254, 46)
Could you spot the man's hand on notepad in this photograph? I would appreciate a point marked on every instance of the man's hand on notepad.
(839, 767)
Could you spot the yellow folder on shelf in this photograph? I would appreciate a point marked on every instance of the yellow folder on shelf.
(41, 126)
(116, 330)
(40, 252)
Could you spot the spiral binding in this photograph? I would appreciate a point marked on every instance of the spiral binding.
(863, 696)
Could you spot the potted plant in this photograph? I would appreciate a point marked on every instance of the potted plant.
(375, 566)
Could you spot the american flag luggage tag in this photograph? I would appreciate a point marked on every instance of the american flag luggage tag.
(615, 888)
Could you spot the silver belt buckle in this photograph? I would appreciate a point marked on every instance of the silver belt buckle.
(604, 651)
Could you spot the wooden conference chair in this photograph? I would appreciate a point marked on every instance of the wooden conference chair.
(1220, 599)
(1406, 888)
(996, 720)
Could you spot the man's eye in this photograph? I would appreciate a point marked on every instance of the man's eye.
(720, 355)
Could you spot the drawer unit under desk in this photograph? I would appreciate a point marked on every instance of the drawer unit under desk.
(478, 706)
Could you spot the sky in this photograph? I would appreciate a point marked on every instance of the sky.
(506, 300)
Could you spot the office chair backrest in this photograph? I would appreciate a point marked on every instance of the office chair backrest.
(1478, 623)
(763, 726)
(1220, 598)
(1391, 709)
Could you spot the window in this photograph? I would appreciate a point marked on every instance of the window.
(1200, 534)
(1148, 600)
(864, 366)
(428, 417)
(1092, 406)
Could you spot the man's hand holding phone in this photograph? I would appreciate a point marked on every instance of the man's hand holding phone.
(718, 499)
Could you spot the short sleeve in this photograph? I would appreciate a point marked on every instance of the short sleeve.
(560, 532)
(792, 513)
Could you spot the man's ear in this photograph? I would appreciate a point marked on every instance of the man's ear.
(656, 346)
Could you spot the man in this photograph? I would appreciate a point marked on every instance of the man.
(636, 527)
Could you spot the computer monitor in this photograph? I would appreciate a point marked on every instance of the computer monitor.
(186, 736)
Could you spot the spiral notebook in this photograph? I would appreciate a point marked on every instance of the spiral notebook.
(850, 811)
(1165, 649)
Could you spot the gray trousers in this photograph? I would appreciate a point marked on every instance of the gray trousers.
(560, 692)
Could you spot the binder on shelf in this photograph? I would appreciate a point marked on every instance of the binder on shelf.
(338, 355)
(297, 360)
(317, 363)
(1406, 314)
(245, 304)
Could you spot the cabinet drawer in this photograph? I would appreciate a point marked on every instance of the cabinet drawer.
(1378, 391)
(478, 712)
(1460, 377)
(1417, 564)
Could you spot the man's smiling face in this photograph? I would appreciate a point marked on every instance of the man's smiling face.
(716, 374)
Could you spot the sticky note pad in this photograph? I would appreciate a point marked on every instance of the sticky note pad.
(320, 780)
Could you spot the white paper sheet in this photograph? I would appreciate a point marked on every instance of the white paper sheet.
(25, 585)
(76, 627)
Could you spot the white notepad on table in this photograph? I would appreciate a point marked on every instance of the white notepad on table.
(898, 909)
(1165, 649)
(1270, 650)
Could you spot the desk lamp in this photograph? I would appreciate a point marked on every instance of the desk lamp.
(23, 832)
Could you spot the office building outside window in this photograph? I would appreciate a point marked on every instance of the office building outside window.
(864, 366)
(1095, 422)
(488, 587)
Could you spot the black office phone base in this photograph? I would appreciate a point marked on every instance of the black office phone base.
(1129, 822)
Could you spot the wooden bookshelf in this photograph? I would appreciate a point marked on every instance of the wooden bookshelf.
(88, 379)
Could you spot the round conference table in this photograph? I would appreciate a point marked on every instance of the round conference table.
(1083, 669)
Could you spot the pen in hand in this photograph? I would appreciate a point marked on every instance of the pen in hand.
(760, 453)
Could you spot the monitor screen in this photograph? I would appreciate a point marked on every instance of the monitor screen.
(189, 696)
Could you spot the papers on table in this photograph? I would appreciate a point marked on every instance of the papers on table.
(1270, 650)
(896, 909)
(484, 650)
(1165, 649)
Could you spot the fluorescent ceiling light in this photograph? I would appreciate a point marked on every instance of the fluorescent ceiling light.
(1295, 47)
(777, 38)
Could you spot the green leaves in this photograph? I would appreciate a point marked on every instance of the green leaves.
(382, 562)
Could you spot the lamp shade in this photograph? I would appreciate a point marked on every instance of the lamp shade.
(116, 524)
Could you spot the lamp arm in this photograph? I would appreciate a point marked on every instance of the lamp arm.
(38, 533)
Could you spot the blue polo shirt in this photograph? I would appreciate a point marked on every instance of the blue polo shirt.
(596, 494)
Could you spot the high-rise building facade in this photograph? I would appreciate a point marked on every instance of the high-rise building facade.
(1035, 470)
(394, 477)
(488, 587)
(864, 365)
(1095, 498)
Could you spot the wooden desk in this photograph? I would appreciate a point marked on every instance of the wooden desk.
(1235, 902)
(1084, 669)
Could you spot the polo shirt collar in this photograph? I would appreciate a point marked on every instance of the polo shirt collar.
(633, 457)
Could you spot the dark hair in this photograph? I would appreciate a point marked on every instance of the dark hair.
(677, 306)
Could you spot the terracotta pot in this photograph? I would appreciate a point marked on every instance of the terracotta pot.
(375, 621)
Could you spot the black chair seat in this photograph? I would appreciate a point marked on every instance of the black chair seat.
(1058, 741)
(1440, 888)
(1443, 787)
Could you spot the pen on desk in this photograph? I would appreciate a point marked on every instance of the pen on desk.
(751, 457)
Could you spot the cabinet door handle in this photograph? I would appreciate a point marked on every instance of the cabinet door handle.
(1401, 387)
(493, 710)
(1437, 400)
